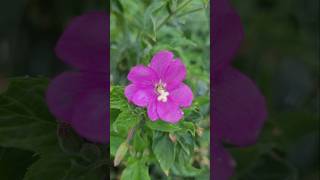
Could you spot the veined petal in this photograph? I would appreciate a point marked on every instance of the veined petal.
(143, 76)
(138, 95)
(160, 62)
(182, 95)
(152, 110)
(239, 109)
(169, 111)
(175, 74)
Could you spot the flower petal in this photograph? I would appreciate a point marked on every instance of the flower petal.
(227, 34)
(84, 42)
(223, 164)
(160, 62)
(138, 95)
(169, 111)
(175, 74)
(63, 90)
(90, 116)
(182, 95)
(144, 76)
(152, 110)
(239, 109)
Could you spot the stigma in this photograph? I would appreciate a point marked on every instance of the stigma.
(161, 91)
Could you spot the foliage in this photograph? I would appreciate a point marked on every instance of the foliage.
(158, 149)
(26, 124)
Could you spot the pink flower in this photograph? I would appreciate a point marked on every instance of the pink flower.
(160, 87)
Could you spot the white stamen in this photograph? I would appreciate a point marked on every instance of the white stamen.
(163, 96)
(162, 93)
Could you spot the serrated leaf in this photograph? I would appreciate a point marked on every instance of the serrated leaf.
(164, 150)
(136, 171)
(124, 122)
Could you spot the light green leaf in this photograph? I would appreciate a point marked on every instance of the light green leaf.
(115, 142)
(121, 152)
(136, 171)
(117, 98)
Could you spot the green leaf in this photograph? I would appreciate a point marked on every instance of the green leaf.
(136, 171)
(51, 167)
(186, 142)
(183, 165)
(58, 166)
(25, 122)
(163, 126)
(124, 122)
(9, 168)
(164, 150)
(117, 98)
(189, 127)
(270, 166)
(139, 143)
(115, 142)
(68, 140)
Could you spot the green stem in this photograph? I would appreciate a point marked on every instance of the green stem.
(191, 11)
(133, 130)
(166, 19)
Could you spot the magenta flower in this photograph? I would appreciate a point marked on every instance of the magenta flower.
(80, 98)
(238, 108)
(160, 87)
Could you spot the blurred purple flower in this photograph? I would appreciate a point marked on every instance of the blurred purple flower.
(80, 98)
(239, 109)
(160, 87)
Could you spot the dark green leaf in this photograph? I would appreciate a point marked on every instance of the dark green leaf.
(163, 126)
(164, 150)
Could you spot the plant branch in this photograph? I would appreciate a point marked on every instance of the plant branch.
(166, 19)
(191, 11)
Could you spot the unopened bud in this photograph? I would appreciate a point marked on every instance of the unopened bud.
(173, 138)
(121, 152)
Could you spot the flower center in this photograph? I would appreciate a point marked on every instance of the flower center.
(162, 93)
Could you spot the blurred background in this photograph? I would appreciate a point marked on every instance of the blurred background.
(281, 54)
